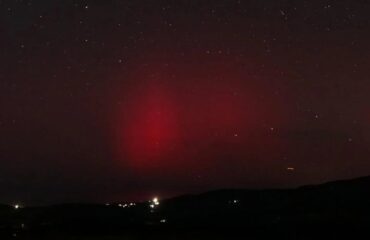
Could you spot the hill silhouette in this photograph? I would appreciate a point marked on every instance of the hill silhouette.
(335, 205)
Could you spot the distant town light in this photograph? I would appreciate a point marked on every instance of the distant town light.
(126, 205)
(155, 201)
(163, 221)
(16, 206)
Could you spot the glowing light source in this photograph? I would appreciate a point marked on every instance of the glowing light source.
(155, 201)
(126, 205)
(16, 206)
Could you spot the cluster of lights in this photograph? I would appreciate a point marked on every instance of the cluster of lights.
(126, 205)
(154, 202)
(17, 206)
(123, 205)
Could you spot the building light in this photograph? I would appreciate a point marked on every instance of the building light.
(154, 201)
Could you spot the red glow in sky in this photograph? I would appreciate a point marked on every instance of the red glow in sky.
(128, 98)
(150, 128)
(181, 120)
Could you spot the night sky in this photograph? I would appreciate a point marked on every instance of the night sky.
(124, 100)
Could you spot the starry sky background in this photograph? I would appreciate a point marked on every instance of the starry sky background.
(122, 100)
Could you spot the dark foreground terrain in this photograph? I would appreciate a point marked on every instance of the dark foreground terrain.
(331, 210)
